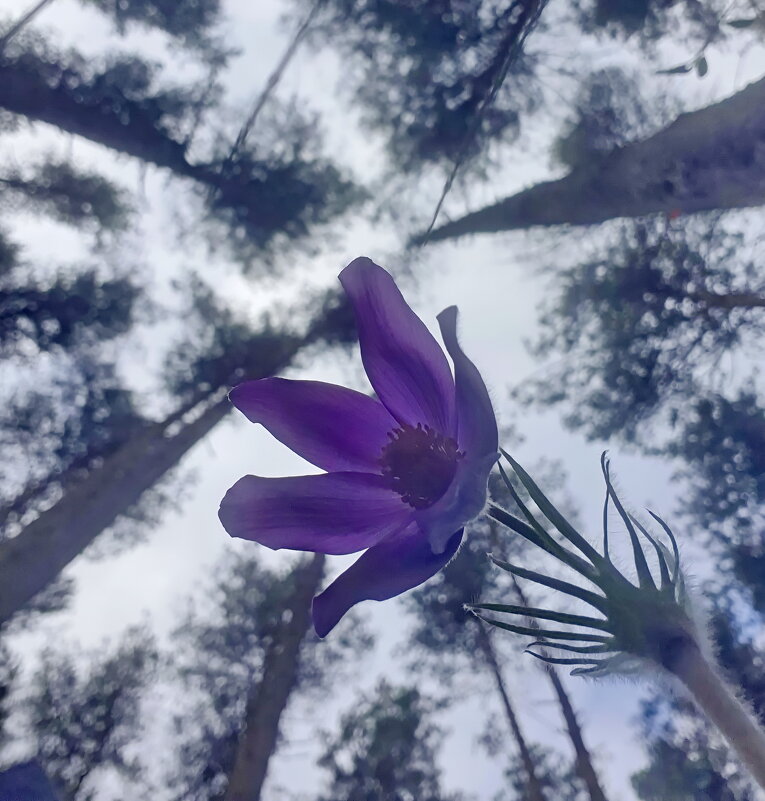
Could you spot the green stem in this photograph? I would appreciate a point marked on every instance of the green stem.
(719, 703)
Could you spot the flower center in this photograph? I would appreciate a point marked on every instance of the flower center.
(419, 464)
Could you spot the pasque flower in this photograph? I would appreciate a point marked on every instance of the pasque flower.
(404, 472)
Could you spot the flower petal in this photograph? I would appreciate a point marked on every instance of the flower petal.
(405, 364)
(462, 502)
(477, 432)
(394, 565)
(333, 513)
(335, 428)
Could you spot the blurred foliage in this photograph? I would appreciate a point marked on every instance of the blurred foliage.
(721, 442)
(644, 325)
(57, 188)
(9, 669)
(189, 21)
(557, 777)
(85, 720)
(219, 657)
(254, 197)
(72, 311)
(386, 750)
(700, 21)
(55, 433)
(609, 111)
(435, 63)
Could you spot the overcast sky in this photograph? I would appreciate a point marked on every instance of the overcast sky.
(495, 283)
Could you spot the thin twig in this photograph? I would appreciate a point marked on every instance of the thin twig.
(273, 80)
(21, 22)
(526, 23)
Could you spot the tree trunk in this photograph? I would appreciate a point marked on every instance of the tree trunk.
(713, 158)
(269, 697)
(24, 90)
(734, 300)
(534, 786)
(584, 766)
(34, 558)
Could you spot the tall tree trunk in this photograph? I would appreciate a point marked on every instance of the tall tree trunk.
(535, 792)
(706, 159)
(733, 300)
(269, 697)
(584, 766)
(30, 561)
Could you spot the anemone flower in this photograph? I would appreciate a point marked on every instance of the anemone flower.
(404, 473)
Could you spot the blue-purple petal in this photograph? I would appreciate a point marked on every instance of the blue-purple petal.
(333, 513)
(335, 428)
(477, 433)
(396, 564)
(405, 364)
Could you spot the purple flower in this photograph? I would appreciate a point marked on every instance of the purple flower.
(405, 473)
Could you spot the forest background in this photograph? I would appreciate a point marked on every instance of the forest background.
(180, 184)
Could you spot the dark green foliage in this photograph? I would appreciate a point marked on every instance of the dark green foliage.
(84, 720)
(642, 326)
(9, 668)
(9, 255)
(443, 629)
(189, 21)
(557, 777)
(722, 442)
(220, 348)
(54, 434)
(275, 191)
(219, 656)
(386, 750)
(609, 111)
(71, 311)
(78, 198)
(435, 63)
(265, 196)
(696, 21)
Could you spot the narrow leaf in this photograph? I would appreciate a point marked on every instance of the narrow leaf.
(550, 545)
(641, 565)
(603, 648)
(552, 514)
(535, 631)
(598, 601)
(604, 468)
(545, 614)
(666, 581)
(555, 660)
(676, 575)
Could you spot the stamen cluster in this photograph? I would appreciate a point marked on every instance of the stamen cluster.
(419, 464)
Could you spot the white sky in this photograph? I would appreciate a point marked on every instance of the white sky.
(495, 282)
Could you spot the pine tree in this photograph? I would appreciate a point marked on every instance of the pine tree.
(246, 658)
(386, 750)
(83, 721)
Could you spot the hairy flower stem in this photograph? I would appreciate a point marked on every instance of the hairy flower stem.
(721, 706)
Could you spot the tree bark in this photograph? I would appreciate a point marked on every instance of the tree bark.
(535, 792)
(269, 698)
(37, 555)
(24, 90)
(584, 766)
(734, 300)
(713, 158)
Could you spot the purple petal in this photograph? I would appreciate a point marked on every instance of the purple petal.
(405, 364)
(333, 513)
(394, 565)
(335, 428)
(477, 432)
